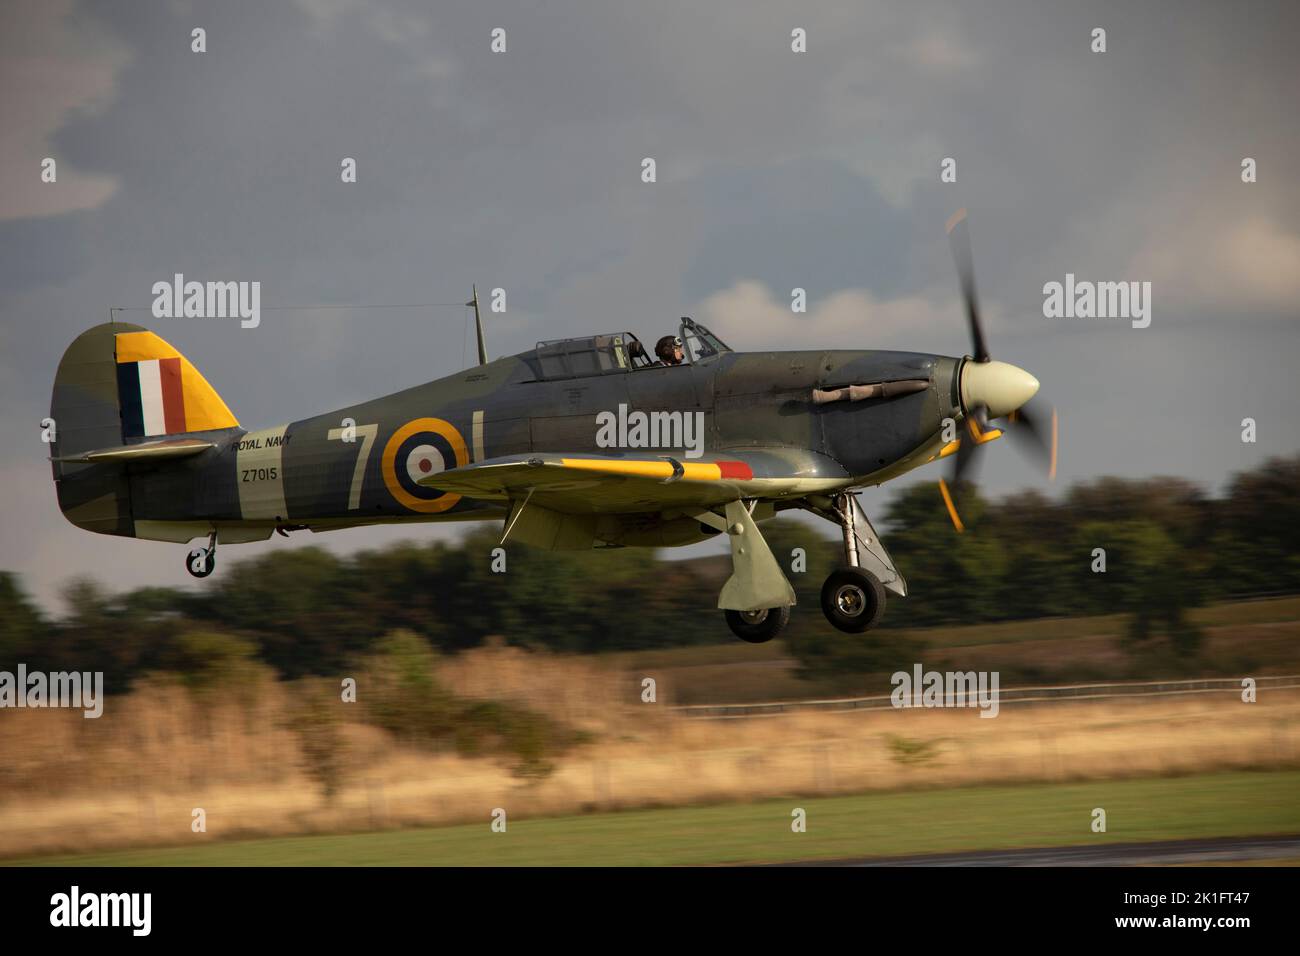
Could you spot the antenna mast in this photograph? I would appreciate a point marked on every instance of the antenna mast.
(478, 327)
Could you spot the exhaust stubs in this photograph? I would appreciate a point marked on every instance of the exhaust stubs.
(858, 393)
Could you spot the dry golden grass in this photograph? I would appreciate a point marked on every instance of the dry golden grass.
(133, 777)
(581, 691)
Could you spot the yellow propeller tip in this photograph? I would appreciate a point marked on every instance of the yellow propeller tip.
(952, 510)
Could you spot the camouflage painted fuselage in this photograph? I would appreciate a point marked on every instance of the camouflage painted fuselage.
(361, 464)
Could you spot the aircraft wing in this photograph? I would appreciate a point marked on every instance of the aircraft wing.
(587, 484)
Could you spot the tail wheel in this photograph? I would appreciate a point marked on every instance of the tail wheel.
(853, 600)
(758, 627)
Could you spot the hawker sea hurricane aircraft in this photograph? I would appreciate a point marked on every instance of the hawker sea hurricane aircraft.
(575, 444)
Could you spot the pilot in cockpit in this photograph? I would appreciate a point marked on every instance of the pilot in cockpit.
(670, 351)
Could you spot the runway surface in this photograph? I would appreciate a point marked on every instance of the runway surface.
(1165, 853)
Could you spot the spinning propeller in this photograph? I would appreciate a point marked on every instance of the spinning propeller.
(991, 389)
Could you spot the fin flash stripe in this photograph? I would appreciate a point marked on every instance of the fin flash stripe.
(161, 393)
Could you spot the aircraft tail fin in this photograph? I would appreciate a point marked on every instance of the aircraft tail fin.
(118, 385)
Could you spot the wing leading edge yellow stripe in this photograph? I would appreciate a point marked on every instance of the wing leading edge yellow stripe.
(691, 471)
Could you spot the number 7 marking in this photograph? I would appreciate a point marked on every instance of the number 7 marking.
(368, 434)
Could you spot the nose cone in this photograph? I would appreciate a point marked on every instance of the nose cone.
(1001, 387)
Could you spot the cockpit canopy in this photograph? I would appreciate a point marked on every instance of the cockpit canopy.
(615, 353)
(580, 357)
(700, 344)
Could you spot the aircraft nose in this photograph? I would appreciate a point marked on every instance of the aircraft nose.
(1000, 386)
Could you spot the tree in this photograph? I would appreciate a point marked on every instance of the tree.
(22, 626)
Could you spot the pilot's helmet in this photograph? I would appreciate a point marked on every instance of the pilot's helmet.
(665, 346)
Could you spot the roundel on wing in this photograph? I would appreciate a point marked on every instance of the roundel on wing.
(420, 448)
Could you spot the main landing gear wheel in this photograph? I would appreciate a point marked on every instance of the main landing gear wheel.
(853, 600)
(200, 562)
(758, 627)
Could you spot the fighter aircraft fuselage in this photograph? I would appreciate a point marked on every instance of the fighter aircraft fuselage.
(356, 464)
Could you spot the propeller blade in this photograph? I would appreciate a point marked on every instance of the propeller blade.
(959, 239)
(963, 461)
(952, 510)
(1038, 438)
(976, 424)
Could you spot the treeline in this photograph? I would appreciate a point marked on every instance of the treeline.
(1165, 544)
(1162, 540)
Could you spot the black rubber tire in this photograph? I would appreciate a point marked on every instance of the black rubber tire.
(762, 630)
(853, 600)
(209, 563)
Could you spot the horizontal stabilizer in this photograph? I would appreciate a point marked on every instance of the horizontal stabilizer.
(145, 451)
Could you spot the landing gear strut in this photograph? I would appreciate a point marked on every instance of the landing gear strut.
(853, 599)
(200, 562)
(756, 599)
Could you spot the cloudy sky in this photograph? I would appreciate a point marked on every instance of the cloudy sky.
(776, 169)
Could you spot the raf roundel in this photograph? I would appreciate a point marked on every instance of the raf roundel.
(420, 462)
(420, 448)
